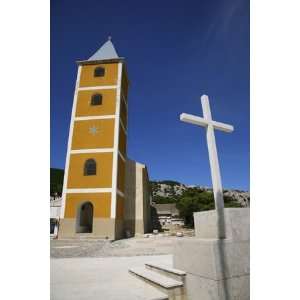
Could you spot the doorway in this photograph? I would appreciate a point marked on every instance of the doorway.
(84, 222)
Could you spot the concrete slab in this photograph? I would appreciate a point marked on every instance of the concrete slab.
(102, 278)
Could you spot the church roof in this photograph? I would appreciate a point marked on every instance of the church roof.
(107, 51)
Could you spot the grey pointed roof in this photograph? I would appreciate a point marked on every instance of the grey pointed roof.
(107, 51)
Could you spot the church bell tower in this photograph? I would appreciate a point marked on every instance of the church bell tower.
(94, 181)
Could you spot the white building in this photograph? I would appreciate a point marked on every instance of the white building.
(168, 215)
(55, 205)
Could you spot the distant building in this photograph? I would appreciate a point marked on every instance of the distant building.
(55, 206)
(168, 215)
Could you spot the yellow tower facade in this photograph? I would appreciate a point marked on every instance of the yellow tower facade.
(94, 183)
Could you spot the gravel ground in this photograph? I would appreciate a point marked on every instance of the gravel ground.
(153, 245)
(76, 248)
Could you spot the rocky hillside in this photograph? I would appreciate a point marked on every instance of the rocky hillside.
(169, 189)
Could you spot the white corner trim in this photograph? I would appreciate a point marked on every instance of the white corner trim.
(116, 146)
(123, 127)
(63, 203)
(98, 87)
(120, 193)
(87, 190)
(96, 150)
(94, 117)
(122, 157)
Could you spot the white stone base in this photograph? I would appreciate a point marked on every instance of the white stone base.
(237, 224)
(217, 269)
(237, 288)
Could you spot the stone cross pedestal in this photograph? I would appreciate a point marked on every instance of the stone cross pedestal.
(216, 269)
(217, 260)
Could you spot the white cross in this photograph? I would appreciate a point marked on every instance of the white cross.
(210, 125)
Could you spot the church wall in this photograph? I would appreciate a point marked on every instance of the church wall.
(103, 225)
(103, 177)
(82, 139)
(123, 114)
(119, 228)
(137, 205)
(108, 217)
(87, 78)
(120, 207)
(140, 191)
(122, 141)
(121, 175)
(125, 83)
(108, 106)
(102, 228)
(101, 204)
(146, 199)
(130, 191)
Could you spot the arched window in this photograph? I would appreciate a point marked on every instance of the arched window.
(96, 99)
(90, 167)
(99, 72)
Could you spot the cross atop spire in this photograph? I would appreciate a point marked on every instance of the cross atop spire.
(107, 51)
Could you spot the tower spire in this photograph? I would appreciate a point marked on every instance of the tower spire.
(107, 51)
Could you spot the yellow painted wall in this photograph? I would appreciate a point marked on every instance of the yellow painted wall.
(120, 207)
(100, 201)
(121, 175)
(108, 106)
(122, 141)
(103, 177)
(87, 75)
(83, 139)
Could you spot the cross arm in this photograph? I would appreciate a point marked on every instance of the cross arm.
(203, 122)
(222, 126)
(193, 119)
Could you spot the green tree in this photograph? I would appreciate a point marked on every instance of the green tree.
(163, 200)
(56, 181)
(193, 200)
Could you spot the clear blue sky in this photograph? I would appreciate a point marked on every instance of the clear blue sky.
(175, 52)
